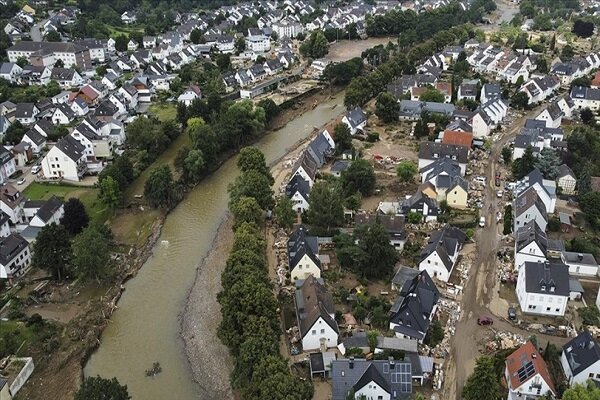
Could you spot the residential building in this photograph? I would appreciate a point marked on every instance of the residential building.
(47, 53)
(416, 304)
(543, 288)
(429, 152)
(528, 206)
(355, 119)
(11, 203)
(527, 374)
(584, 97)
(545, 188)
(315, 312)
(15, 256)
(551, 115)
(566, 180)
(533, 245)
(393, 224)
(420, 203)
(375, 379)
(306, 168)
(26, 113)
(10, 71)
(303, 255)
(50, 212)
(490, 91)
(321, 147)
(540, 88)
(192, 93)
(298, 190)
(65, 160)
(537, 135)
(439, 256)
(580, 359)
(7, 164)
(582, 264)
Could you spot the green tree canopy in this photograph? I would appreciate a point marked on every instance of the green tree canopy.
(252, 159)
(75, 217)
(326, 209)
(241, 124)
(548, 162)
(433, 95)
(52, 250)
(589, 391)
(358, 177)
(252, 184)
(110, 194)
(387, 107)
(483, 384)
(342, 137)
(524, 165)
(285, 216)
(102, 389)
(158, 189)
(91, 254)
(246, 209)
(316, 46)
(406, 171)
(377, 256)
(520, 100)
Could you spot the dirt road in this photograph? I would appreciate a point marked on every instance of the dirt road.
(481, 286)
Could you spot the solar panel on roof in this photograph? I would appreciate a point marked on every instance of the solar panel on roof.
(526, 372)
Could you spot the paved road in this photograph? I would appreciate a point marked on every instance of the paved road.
(478, 293)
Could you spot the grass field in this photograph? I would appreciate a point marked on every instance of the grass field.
(97, 211)
(163, 111)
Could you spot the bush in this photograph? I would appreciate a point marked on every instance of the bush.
(553, 224)
(372, 137)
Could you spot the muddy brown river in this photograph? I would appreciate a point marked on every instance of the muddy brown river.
(145, 328)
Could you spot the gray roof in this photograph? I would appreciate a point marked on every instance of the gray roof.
(24, 110)
(531, 232)
(393, 224)
(319, 148)
(356, 116)
(579, 258)
(528, 199)
(581, 352)
(547, 278)
(10, 247)
(443, 165)
(445, 242)
(71, 147)
(564, 170)
(359, 339)
(313, 301)
(432, 151)
(348, 375)
(340, 165)
(308, 164)
(50, 207)
(297, 184)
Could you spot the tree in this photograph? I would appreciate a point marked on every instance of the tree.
(271, 109)
(75, 217)
(483, 384)
(252, 159)
(435, 333)
(582, 392)
(285, 216)
(326, 210)
(358, 177)
(91, 254)
(406, 171)
(590, 205)
(421, 129)
(110, 193)
(121, 43)
(240, 44)
(589, 315)
(433, 95)
(241, 124)
(342, 137)
(508, 220)
(158, 189)
(195, 36)
(22, 61)
(14, 134)
(52, 250)
(53, 36)
(316, 46)
(193, 166)
(506, 155)
(101, 70)
(246, 209)
(520, 100)
(254, 184)
(542, 65)
(415, 217)
(387, 107)
(587, 116)
(567, 52)
(223, 62)
(377, 256)
(584, 29)
(271, 379)
(548, 162)
(524, 165)
(102, 389)
(519, 81)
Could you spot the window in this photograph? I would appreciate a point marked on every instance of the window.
(591, 375)
(322, 331)
(557, 310)
(314, 331)
(547, 308)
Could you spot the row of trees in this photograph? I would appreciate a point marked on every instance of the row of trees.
(250, 325)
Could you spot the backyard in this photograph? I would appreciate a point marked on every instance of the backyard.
(163, 111)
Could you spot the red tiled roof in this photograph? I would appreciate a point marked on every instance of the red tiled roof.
(596, 80)
(524, 355)
(458, 138)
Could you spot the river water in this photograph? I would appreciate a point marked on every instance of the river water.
(145, 327)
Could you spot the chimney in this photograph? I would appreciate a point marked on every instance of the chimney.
(533, 355)
(351, 363)
(392, 362)
(580, 257)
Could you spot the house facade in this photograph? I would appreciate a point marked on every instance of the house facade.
(543, 288)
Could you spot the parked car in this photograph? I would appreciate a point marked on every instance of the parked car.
(21, 181)
(497, 181)
(499, 194)
(485, 321)
(482, 222)
(35, 169)
(512, 313)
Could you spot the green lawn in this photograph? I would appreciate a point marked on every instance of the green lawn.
(97, 211)
(126, 30)
(164, 111)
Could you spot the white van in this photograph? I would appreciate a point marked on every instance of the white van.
(482, 222)
(35, 169)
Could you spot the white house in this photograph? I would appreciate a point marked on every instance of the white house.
(580, 359)
(132, 45)
(527, 374)
(192, 93)
(65, 160)
(583, 264)
(306, 168)
(49, 213)
(315, 312)
(545, 188)
(356, 120)
(298, 190)
(257, 41)
(584, 97)
(10, 71)
(543, 288)
(63, 115)
(531, 245)
(15, 256)
(304, 260)
(7, 164)
(482, 124)
(439, 257)
(26, 113)
(551, 115)
(566, 180)
(80, 107)
(11, 204)
(528, 206)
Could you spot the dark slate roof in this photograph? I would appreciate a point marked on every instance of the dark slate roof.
(526, 200)
(564, 170)
(579, 258)
(393, 224)
(305, 161)
(314, 301)
(445, 242)
(50, 207)
(301, 235)
(415, 303)
(531, 232)
(10, 247)
(581, 352)
(5, 155)
(345, 374)
(443, 165)
(371, 374)
(319, 148)
(299, 251)
(340, 165)
(543, 277)
(356, 116)
(432, 151)
(106, 108)
(417, 201)
(24, 110)
(297, 184)
(71, 147)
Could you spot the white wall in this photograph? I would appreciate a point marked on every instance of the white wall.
(320, 329)
(583, 376)
(435, 267)
(304, 268)
(372, 391)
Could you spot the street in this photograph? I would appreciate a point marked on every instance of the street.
(481, 284)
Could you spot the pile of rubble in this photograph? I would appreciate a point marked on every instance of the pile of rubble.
(506, 267)
(504, 340)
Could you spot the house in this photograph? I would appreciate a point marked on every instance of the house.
(543, 288)
(26, 113)
(580, 359)
(458, 138)
(393, 224)
(80, 107)
(46, 54)
(4, 125)
(355, 119)
(545, 188)
(374, 379)
(298, 190)
(273, 67)
(51, 211)
(442, 166)
(467, 91)
(95, 146)
(551, 115)
(192, 93)
(566, 180)
(527, 375)
(106, 111)
(439, 256)
(338, 167)
(490, 91)
(412, 110)
(315, 313)
(7, 164)
(420, 203)
(536, 134)
(22, 153)
(10, 72)
(584, 97)
(429, 152)
(540, 88)
(306, 168)
(63, 115)
(303, 255)
(148, 42)
(128, 17)
(257, 41)
(11, 204)
(67, 78)
(416, 304)
(65, 160)
(256, 72)
(454, 190)
(110, 80)
(528, 206)
(15, 256)
(532, 244)
(321, 147)
(583, 264)
(36, 140)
